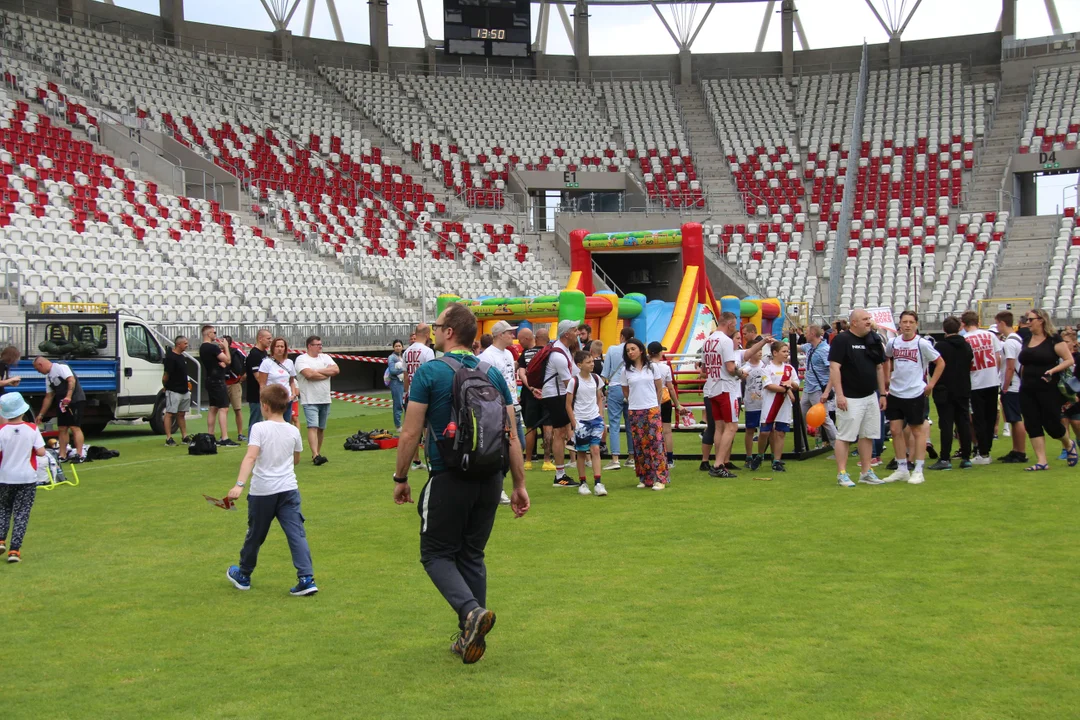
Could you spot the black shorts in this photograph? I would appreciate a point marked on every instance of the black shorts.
(911, 410)
(72, 417)
(1010, 405)
(555, 411)
(665, 412)
(217, 394)
(532, 411)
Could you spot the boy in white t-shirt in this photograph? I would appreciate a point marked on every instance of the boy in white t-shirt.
(274, 449)
(21, 445)
(778, 390)
(583, 398)
(754, 371)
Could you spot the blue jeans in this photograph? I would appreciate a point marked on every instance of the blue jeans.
(397, 391)
(617, 418)
(254, 414)
(520, 426)
(262, 509)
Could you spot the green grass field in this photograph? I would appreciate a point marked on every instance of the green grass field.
(790, 598)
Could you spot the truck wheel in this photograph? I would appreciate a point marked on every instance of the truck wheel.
(95, 427)
(157, 417)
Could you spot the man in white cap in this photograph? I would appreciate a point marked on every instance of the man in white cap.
(497, 356)
(560, 368)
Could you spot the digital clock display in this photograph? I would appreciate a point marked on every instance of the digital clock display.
(493, 28)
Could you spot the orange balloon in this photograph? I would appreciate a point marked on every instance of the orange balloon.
(815, 416)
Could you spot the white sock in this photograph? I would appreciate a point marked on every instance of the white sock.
(919, 466)
(901, 465)
(560, 472)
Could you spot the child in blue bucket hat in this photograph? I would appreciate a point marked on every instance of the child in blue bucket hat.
(21, 445)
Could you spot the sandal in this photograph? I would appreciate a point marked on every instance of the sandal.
(1073, 456)
(1036, 467)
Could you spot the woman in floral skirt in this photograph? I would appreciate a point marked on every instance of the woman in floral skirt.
(642, 386)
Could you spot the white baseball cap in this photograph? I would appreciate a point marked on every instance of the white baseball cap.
(566, 326)
(501, 327)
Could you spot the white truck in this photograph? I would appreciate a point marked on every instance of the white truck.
(118, 358)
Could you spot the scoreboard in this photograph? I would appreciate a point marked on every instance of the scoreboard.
(493, 28)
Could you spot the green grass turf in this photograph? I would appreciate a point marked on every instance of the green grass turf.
(791, 598)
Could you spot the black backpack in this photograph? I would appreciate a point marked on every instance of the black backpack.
(481, 443)
(202, 444)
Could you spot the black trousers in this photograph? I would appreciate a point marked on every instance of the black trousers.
(457, 513)
(1040, 405)
(953, 409)
(984, 413)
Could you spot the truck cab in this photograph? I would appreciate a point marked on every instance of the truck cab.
(118, 358)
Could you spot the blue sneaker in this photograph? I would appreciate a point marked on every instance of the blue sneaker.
(306, 586)
(1064, 455)
(844, 480)
(870, 478)
(239, 580)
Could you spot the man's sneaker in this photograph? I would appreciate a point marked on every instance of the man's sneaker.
(778, 466)
(871, 478)
(957, 455)
(504, 499)
(721, 472)
(417, 466)
(748, 463)
(1015, 457)
(630, 461)
(227, 442)
(898, 476)
(528, 465)
(470, 644)
(844, 480)
(941, 464)
(731, 466)
(78, 460)
(241, 437)
(916, 478)
(185, 439)
(564, 482)
(930, 451)
(599, 490)
(14, 556)
(304, 586)
(965, 464)
(980, 460)
(893, 464)
(755, 461)
(658, 486)
(704, 466)
(548, 466)
(613, 465)
(583, 489)
(170, 443)
(239, 580)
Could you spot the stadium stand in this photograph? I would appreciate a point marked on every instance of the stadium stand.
(1053, 120)
(1061, 293)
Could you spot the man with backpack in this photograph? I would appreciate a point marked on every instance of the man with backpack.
(466, 410)
(550, 371)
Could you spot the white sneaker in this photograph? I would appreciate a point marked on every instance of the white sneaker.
(980, 460)
(505, 499)
(1007, 430)
(583, 489)
(613, 465)
(870, 478)
(658, 486)
(916, 478)
(588, 463)
(897, 476)
(599, 490)
(641, 485)
(630, 462)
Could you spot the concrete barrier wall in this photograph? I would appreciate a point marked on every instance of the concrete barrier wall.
(123, 146)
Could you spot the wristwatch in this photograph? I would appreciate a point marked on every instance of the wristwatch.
(239, 484)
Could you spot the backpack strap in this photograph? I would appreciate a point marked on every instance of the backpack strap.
(556, 373)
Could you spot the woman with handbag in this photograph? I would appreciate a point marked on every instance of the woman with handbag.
(1043, 360)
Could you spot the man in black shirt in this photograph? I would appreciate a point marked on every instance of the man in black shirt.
(214, 356)
(531, 410)
(856, 373)
(177, 395)
(251, 364)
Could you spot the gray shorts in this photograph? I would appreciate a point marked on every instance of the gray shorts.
(177, 402)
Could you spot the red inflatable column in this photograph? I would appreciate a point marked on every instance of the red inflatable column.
(581, 260)
(693, 253)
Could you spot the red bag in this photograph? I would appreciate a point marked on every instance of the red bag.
(537, 367)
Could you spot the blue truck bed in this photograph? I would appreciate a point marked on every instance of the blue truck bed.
(94, 376)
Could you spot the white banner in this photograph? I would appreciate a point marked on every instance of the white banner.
(883, 318)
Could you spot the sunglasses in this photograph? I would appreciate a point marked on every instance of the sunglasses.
(1029, 319)
(439, 326)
